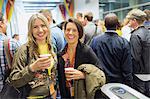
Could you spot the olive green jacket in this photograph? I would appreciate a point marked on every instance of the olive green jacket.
(21, 74)
(94, 79)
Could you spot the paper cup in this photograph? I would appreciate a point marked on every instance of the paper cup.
(69, 69)
(45, 55)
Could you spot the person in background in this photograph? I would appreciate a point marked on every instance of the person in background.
(90, 29)
(39, 72)
(82, 61)
(118, 30)
(101, 25)
(114, 53)
(61, 25)
(126, 29)
(16, 39)
(4, 67)
(147, 21)
(140, 51)
(79, 16)
(57, 34)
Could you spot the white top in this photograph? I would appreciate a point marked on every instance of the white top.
(126, 32)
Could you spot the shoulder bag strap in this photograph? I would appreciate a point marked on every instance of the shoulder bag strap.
(7, 52)
(27, 61)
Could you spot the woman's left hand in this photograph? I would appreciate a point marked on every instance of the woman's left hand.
(74, 74)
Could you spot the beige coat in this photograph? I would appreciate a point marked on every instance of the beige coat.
(94, 79)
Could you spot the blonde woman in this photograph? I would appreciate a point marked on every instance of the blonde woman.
(39, 71)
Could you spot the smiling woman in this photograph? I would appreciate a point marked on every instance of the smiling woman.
(72, 82)
(36, 73)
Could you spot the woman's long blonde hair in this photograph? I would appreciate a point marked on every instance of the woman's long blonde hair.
(33, 46)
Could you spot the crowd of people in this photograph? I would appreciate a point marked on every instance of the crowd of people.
(77, 57)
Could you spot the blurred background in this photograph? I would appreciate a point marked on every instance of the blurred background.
(17, 12)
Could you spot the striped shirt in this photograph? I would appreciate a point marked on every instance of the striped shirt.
(3, 61)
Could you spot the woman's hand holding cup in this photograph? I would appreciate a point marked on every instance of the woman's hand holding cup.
(73, 74)
(41, 63)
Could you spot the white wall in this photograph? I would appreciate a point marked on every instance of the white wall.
(86, 6)
(22, 21)
(57, 15)
(19, 22)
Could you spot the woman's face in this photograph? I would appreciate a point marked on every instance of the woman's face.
(71, 33)
(40, 31)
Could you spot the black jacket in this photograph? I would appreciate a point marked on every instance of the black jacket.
(114, 54)
(140, 50)
(84, 55)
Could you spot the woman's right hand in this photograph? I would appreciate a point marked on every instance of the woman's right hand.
(74, 74)
(40, 64)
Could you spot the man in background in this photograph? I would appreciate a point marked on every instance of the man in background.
(16, 39)
(58, 39)
(147, 21)
(90, 29)
(114, 53)
(140, 51)
(79, 16)
(4, 65)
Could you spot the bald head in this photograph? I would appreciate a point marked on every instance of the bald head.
(111, 21)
